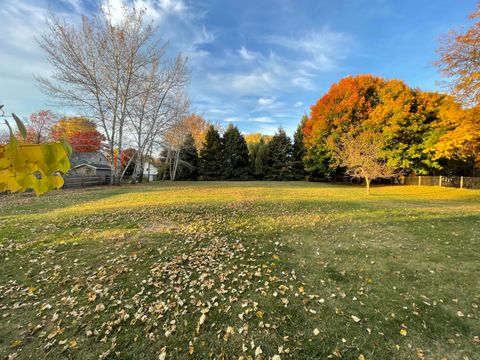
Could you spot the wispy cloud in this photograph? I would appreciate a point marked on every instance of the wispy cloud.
(323, 47)
(247, 54)
(266, 101)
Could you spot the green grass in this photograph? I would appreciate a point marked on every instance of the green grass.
(305, 270)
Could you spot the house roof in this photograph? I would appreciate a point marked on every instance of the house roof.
(92, 158)
(93, 166)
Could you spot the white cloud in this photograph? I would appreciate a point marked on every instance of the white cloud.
(76, 5)
(266, 101)
(325, 47)
(257, 119)
(21, 57)
(155, 10)
(303, 82)
(298, 104)
(262, 119)
(247, 55)
(172, 5)
(270, 73)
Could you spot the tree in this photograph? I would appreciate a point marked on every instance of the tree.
(112, 69)
(39, 125)
(407, 119)
(458, 137)
(363, 156)
(80, 132)
(126, 161)
(298, 152)
(257, 144)
(255, 138)
(258, 156)
(460, 61)
(279, 156)
(188, 160)
(197, 127)
(211, 158)
(235, 164)
(158, 116)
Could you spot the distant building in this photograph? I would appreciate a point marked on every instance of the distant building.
(90, 164)
(150, 171)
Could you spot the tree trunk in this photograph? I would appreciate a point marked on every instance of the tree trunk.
(367, 182)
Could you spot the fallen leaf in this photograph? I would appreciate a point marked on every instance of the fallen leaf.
(163, 353)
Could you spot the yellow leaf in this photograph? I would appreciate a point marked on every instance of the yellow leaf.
(15, 343)
(403, 332)
(190, 348)
(31, 290)
(361, 357)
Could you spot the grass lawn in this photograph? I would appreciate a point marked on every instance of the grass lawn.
(241, 270)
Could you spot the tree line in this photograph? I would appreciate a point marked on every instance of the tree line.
(228, 156)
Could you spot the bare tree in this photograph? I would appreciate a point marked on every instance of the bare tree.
(162, 103)
(110, 71)
(174, 137)
(363, 157)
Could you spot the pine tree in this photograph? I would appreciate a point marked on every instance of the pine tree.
(279, 157)
(188, 164)
(210, 164)
(235, 155)
(298, 152)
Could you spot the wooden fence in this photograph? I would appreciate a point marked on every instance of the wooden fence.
(82, 181)
(462, 182)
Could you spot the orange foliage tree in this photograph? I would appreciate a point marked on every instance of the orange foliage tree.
(81, 133)
(460, 61)
(407, 119)
(196, 126)
(254, 138)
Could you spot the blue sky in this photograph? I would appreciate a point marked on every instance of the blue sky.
(259, 64)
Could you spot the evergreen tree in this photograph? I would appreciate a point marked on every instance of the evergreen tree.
(188, 163)
(235, 155)
(164, 168)
(210, 164)
(279, 157)
(298, 152)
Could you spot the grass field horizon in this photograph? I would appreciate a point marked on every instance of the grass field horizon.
(252, 270)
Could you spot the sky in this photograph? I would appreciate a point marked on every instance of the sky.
(258, 64)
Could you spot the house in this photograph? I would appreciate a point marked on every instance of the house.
(90, 164)
(150, 171)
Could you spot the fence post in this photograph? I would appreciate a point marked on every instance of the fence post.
(419, 180)
(440, 181)
(461, 182)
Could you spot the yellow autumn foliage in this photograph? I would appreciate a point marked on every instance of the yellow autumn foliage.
(34, 167)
